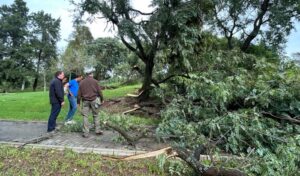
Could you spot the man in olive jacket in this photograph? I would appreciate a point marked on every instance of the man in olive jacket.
(91, 95)
(56, 96)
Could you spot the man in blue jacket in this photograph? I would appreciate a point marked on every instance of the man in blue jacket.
(72, 87)
(56, 96)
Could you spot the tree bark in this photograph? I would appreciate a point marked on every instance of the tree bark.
(256, 26)
(146, 87)
(23, 85)
(36, 79)
(44, 80)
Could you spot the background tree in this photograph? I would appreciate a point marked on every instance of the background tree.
(15, 51)
(44, 36)
(75, 57)
(268, 20)
(107, 52)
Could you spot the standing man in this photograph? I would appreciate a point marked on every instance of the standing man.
(56, 96)
(91, 96)
(72, 90)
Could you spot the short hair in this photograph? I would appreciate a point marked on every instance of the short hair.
(58, 73)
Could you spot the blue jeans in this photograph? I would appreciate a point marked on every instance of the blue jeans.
(55, 109)
(73, 107)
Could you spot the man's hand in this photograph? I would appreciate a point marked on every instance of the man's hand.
(62, 103)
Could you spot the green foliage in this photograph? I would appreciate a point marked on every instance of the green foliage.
(15, 54)
(173, 167)
(76, 58)
(27, 43)
(270, 21)
(232, 102)
(108, 54)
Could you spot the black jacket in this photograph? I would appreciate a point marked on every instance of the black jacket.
(56, 91)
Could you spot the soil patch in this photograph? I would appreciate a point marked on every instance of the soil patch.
(131, 106)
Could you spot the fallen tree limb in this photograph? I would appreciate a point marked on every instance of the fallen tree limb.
(130, 139)
(184, 155)
(136, 107)
(37, 140)
(282, 117)
(202, 170)
(166, 151)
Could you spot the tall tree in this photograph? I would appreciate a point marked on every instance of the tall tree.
(75, 58)
(147, 33)
(247, 20)
(108, 52)
(15, 49)
(44, 36)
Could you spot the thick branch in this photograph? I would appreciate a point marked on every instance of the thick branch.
(203, 170)
(285, 118)
(38, 139)
(190, 160)
(138, 42)
(256, 25)
(130, 139)
(142, 13)
(171, 76)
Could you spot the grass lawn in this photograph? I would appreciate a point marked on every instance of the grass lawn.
(35, 105)
(29, 161)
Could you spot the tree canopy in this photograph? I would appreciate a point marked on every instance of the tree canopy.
(27, 42)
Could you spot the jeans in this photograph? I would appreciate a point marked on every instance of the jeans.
(55, 109)
(73, 107)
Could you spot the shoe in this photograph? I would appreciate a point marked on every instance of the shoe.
(85, 135)
(99, 132)
(70, 122)
(51, 132)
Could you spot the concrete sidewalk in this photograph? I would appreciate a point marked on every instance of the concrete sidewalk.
(17, 133)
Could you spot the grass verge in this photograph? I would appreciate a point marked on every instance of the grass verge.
(29, 161)
(35, 105)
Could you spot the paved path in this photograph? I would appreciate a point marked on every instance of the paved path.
(18, 133)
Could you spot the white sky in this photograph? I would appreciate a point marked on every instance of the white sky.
(62, 9)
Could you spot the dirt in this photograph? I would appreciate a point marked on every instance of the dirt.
(149, 109)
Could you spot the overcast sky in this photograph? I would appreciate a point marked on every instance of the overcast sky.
(62, 9)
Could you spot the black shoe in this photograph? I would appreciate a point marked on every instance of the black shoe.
(85, 135)
(99, 132)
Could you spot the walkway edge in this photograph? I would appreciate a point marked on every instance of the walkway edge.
(102, 151)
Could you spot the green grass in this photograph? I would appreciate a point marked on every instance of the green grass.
(35, 105)
(29, 161)
(120, 92)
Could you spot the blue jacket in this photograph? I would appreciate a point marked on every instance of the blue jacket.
(56, 91)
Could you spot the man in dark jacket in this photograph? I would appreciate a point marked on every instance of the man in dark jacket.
(56, 96)
(91, 96)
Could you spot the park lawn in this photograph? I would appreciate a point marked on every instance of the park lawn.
(35, 105)
(28, 161)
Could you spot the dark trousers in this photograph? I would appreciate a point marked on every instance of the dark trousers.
(55, 109)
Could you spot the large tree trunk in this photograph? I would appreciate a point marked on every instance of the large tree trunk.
(44, 80)
(146, 87)
(23, 85)
(36, 78)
